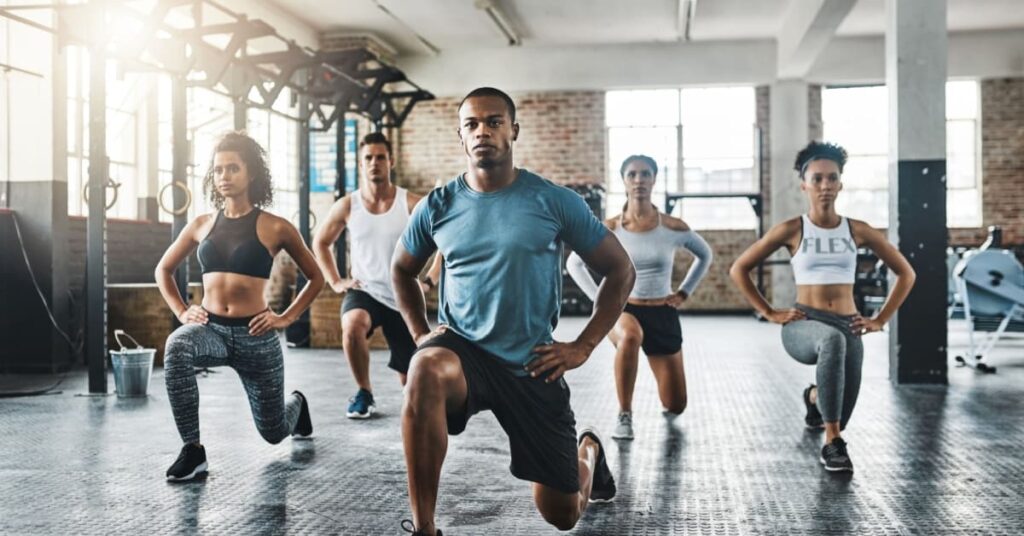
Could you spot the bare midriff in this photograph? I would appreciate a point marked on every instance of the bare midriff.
(836, 299)
(233, 295)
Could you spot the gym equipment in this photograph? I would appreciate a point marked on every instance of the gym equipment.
(871, 283)
(175, 211)
(115, 186)
(991, 284)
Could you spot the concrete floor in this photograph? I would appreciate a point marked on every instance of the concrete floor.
(929, 459)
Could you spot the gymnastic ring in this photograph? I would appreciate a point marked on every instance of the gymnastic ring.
(312, 219)
(188, 198)
(110, 184)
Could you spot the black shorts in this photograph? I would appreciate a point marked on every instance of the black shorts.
(390, 321)
(536, 416)
(660, 324)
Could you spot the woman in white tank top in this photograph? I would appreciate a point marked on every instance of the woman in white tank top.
(650, 319)
(824, 328)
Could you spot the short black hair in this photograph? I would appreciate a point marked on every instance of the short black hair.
(492, 92)
(374, 138)
(642, 158)
(820, 150)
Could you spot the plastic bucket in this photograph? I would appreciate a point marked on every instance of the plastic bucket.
(132, 367)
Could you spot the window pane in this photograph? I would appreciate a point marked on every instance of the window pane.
(720, 175)
(871, 206)
(718, 105)
(657, 142)
(857, 118)
(963, 208)
(866, 172)
(962, 99)
(961, 161)
(658, 107)
(717, 213)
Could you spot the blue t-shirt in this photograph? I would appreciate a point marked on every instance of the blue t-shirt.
(501, 286)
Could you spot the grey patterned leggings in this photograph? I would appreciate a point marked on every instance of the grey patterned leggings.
(258, 362)
(824, 339)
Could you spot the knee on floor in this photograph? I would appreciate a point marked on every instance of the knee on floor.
(272, 435)
(562, 520)
(676, 407)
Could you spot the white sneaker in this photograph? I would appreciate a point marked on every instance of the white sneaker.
(624, 430)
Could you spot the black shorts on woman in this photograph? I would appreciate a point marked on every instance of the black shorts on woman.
(663, 335)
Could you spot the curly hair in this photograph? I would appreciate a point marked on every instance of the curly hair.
(639, 158)
(819, 150)
(261, 187)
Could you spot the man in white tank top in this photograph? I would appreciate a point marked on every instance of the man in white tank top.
(375, 216)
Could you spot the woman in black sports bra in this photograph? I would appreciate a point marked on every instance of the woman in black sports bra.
(234, 327)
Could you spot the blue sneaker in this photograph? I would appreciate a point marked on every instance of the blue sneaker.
(361, 406)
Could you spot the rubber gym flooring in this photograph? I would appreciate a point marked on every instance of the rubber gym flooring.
(929, 459)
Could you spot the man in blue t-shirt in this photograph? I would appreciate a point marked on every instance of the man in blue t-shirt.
(500, 232)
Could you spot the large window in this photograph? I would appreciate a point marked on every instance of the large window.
(709, 133)
(125, 96)
(858, 119)
(279, 136)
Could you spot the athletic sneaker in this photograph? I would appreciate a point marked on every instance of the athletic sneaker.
(190, 463)
(624, 430)
(303, 426)
(813, 418)
(361, 406)
(834, 456)
(407, 526)
(602, 489)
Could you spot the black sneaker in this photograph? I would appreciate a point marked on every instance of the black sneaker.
(408, 526)
(813, 418)
(303, 426)
(602, 489)
(190, 463)
(834, 456)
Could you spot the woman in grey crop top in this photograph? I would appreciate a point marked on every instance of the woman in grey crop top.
(234, 327)
(651, 318)
(824, 328)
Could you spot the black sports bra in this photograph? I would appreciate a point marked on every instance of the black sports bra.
(233, 246)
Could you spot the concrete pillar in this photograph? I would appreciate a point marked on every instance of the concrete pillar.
(788, 133)
(915, 65)
(148, 147)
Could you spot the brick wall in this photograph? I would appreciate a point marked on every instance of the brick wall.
(717, 292)
(1002, 162)
(562, 138)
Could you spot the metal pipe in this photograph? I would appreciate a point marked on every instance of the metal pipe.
(96, 265)
(179, 170)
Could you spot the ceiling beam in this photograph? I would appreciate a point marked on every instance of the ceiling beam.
(806, 30)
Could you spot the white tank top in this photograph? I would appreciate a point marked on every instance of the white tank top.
(825, 256)
(372, 239)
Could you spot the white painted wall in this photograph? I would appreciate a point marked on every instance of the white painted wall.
(990, 54)
(286, 24)
(453, 73)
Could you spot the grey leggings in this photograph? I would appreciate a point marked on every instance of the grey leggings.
(825, 339)
(258, 362)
